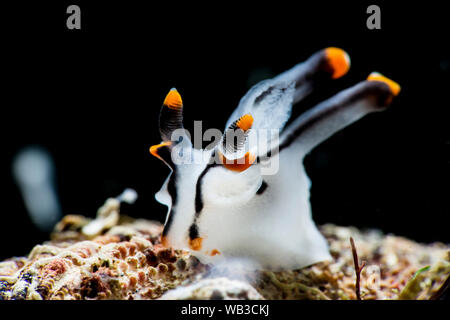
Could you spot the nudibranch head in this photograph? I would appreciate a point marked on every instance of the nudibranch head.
(248, 195)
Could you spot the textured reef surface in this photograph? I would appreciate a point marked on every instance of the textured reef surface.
(117, 257)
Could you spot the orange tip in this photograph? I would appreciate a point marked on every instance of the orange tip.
(339, 61)
(245, 122)
(394, 86)
(154, 149)
(214, 252)
(173, 99)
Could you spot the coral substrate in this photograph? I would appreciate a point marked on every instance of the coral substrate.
(117, 257)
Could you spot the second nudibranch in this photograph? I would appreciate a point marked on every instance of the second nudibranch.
(223, 204)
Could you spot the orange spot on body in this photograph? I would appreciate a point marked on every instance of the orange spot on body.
(240, 164)
(338, 60)
(196, 244)
(164, 241)
(173, 99)
(394, 86)
(245, 122)
(154, 149)
(215, 252)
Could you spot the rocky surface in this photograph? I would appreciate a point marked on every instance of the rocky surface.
(116, 257)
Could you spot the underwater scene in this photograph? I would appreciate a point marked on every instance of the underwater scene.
(224, 153)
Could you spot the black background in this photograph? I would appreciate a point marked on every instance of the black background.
(91, 97)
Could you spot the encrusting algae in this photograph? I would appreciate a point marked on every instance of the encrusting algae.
(117, 257)
(126, 262)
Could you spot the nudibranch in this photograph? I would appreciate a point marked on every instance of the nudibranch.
(223, 203)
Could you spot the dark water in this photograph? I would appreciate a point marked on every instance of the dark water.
(92, 99)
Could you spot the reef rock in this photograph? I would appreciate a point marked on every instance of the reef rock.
(117, 257)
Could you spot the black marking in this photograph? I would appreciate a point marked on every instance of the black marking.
(366, 89)
(233, 126)
(265, 157)
(169, 120)
(172, 190)
(264, 94)
(198, 189)
(193, 231)
(262, 188)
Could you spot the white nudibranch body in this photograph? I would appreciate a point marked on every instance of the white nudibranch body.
(225, 202)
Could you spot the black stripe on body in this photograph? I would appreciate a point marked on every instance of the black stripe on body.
(262, 188)
(265, 93)
(198, 189)
(172, 190)
(193, 230)
(316, 115)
